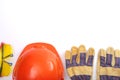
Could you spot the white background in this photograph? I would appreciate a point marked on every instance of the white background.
(62, 23)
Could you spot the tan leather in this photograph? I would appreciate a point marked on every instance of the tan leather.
(109, 71)
(79, 70)
(82, 70)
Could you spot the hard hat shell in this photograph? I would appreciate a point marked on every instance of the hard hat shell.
(38, 61)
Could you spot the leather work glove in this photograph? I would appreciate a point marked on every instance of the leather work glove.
(108, 66)
(79, 63)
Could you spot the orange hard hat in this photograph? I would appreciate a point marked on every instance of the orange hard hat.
(38, 61)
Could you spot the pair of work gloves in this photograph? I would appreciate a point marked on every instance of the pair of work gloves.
(79, 63)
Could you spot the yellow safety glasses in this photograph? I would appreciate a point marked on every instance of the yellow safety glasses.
(6, 53)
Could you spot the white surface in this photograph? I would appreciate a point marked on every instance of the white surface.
(62, 23)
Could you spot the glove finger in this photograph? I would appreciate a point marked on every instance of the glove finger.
(68, 56)
(74, 51)
(117, 58)
(101, 63)
(91, 53)
(102, 56)
(68, 59)
(81, 58)
(110, 57)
